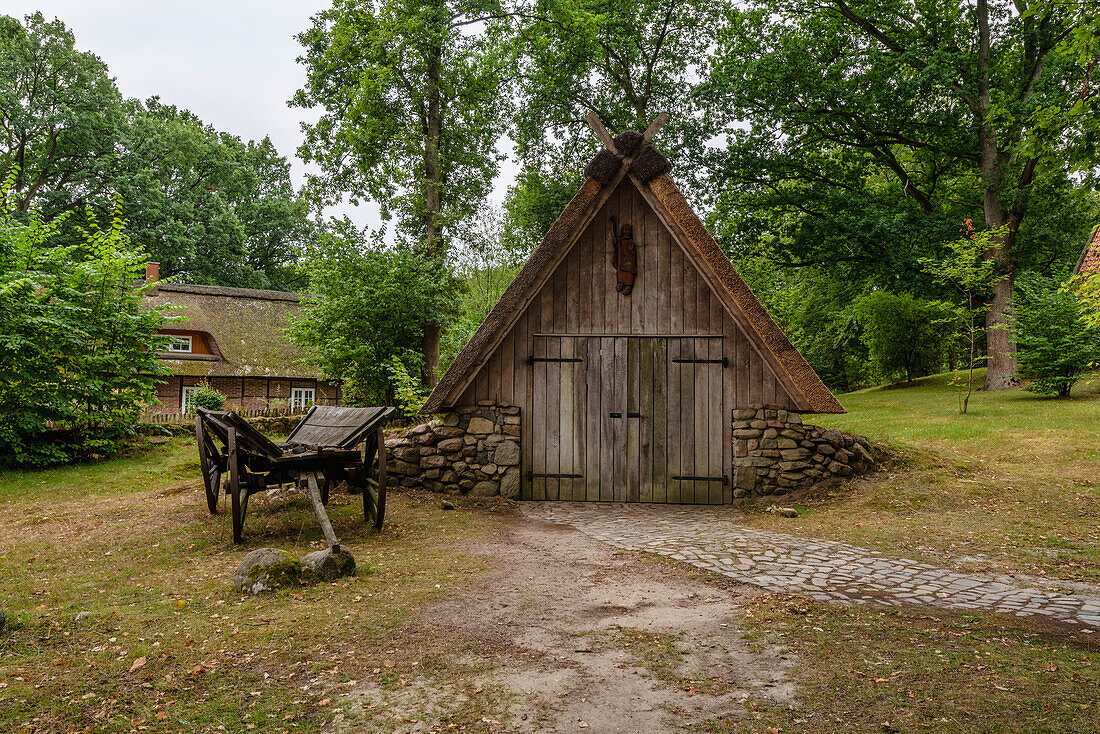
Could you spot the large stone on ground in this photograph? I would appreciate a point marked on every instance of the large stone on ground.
(485, 489)
(266, 569)
(327, 565)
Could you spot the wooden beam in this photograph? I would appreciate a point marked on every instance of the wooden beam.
(654, 128)
(319, 508)
(601, 131)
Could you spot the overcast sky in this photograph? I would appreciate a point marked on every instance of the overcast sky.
(231, 62)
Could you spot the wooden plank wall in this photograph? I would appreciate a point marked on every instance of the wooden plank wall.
(669, 298)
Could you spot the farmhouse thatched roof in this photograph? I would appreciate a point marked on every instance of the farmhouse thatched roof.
(1089, 262)
(246, 327)
(648, 171)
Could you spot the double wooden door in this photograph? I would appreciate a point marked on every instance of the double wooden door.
(628, 419)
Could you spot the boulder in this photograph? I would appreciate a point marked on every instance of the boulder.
(485, 489)
(328, 564)
(266, 569)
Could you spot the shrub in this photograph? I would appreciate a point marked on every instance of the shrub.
(1055, 343)
(207, 397)
(906, 335)
(77, 347)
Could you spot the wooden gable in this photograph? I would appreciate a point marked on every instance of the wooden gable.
(672, 297)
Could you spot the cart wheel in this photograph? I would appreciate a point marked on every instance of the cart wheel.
(212, 483)
(374, 505)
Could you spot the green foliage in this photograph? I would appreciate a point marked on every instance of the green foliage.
(414, 99)
(626, 59)
(209, 207)
(409, 392)
(370, 305)
(966, 267)
(77, 347)
(905, 335)
(1055, 343)
(207, 397)
(813, 305)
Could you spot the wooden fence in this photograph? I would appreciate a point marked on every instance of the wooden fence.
(172, 419)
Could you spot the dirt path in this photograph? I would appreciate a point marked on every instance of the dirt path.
(570, 634)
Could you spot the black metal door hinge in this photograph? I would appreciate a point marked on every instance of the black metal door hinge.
(724, 361)
(533, 475)
(687, 478)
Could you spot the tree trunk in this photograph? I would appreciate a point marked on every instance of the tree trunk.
(1000, 346)
(433, 241)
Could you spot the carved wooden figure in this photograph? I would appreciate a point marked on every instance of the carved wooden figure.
(624, 256)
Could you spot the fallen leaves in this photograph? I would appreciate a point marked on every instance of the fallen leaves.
(138, 664)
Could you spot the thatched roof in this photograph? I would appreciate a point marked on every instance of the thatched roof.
(648, 172)
(1089, 262)
(246, 327)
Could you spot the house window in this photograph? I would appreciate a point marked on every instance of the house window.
(185, 402)
(302, 397)
(180, 344)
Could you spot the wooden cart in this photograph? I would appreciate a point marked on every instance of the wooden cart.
(322, 450)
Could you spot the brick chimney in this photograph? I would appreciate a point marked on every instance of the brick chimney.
(152, 272)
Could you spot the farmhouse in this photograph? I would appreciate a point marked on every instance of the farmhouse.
(233, 338)
(628, 361)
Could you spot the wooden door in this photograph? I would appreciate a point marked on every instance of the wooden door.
(628, 419)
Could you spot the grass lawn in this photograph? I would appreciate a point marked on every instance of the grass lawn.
(1011, 486)
(163, 642)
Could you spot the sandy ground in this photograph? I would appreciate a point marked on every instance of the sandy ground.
(545, 634)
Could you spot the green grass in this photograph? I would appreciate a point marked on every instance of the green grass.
(165, 643)
(1013, 485)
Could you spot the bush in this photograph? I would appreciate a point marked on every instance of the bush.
(906, 335)
(207, 397)
(77, 346)
(1055, 343)
(371, 305)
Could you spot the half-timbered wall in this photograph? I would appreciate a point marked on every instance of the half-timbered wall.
(670, 300)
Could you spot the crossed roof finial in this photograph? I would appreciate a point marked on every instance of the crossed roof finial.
(609, 143)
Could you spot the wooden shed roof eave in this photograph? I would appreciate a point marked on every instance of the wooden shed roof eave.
(542, 263)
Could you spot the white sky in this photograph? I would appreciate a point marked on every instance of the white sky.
(230, 62)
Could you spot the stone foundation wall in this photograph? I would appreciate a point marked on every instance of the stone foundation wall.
(773, 452)
(475, 450)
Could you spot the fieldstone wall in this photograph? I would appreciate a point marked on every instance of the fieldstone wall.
(773, 452)
(475, 450)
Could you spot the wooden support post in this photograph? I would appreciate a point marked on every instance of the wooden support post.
(235, 488)
(319, 509)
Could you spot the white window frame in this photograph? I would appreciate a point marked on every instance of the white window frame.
(185, 397)
(302, 397)
(177, 340)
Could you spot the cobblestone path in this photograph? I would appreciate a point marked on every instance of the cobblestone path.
(711, 538)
